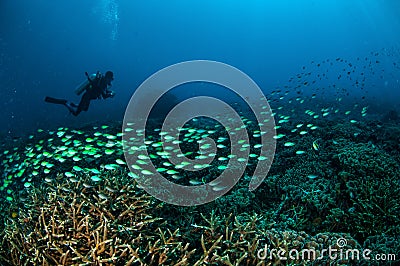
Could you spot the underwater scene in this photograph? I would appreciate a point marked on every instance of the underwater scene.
(200, 132)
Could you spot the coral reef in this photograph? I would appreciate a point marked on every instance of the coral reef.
(370, 188)
(67, 198)
(66, 224)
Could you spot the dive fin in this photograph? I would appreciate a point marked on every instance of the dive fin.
(54, 100)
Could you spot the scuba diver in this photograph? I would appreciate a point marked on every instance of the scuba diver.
(96, 86)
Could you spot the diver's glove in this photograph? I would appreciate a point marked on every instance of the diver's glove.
(109, 94)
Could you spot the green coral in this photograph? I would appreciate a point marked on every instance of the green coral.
(370, 190)
(383, 244)
(366, 160)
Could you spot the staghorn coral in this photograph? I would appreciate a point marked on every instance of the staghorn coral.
(72, 223)
(113, 223)
(244, 240)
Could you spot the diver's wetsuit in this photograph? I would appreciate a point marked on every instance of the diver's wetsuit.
(97, 89)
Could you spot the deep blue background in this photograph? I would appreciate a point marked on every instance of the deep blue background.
(46, 46)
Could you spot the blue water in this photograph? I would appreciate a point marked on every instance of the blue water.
(46, 46)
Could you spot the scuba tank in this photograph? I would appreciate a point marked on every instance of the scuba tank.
(85, 84)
